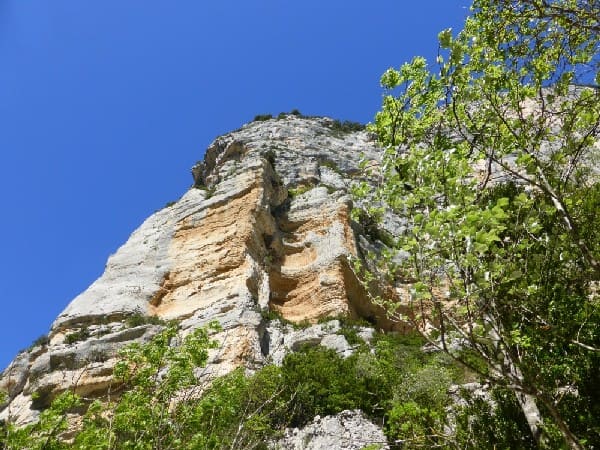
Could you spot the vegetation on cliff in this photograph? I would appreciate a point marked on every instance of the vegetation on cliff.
(158, 403)
(492, 155)
(491, 158)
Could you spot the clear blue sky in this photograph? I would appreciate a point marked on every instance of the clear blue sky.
(105, 105)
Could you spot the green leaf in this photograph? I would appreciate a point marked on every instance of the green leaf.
(445, 38)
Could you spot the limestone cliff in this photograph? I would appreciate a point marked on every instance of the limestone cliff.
(265, 227)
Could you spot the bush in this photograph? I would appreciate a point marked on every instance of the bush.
(137, 319)
(331, 165)
(323, 383)
(262, 117)
(479, 425)
(237, 409)
(159, 406)
(271, 314)
(270, 156)
(299, 190)
(40, 341)
(346, 126)
(81, 335)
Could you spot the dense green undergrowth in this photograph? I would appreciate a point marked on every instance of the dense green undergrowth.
(158, 402)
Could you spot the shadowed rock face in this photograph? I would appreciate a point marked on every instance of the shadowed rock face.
(266, 226)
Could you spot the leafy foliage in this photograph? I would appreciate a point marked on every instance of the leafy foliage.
(151, 376)
(76, 336)
(160, 404)
(486, 425)
(41, 340)
(45, 434)
(137, 319)
(346, 126)
(299, 190)
(490, 157)
(262, 117)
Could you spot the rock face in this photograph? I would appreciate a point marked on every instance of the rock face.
(348, 430)
(266, 227)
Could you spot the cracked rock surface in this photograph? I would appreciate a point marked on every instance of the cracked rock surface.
(266, 227)
(348, 430)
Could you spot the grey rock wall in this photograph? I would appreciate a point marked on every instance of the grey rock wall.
(348, 430)
(266, 227)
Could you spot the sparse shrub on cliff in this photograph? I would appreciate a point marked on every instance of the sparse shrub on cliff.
(209, 191)
(349, 327)
(270, 156)
(299, 190)
(351, 335)
(346, 126)
(271, 314)
(331, 165)
(80, 335)
(282, 115)
(293, 112)
(137, 319)
(262, 117)
(40, 341)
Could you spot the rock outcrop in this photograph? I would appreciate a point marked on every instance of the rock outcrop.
(348, 430)
(266, 227)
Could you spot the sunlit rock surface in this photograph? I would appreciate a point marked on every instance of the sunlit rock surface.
(348, 430)
(266, 227)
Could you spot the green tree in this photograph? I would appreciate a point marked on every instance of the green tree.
(490, 156)
(149, 379)
(157, 401)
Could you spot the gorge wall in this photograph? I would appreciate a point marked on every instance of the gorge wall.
(266, 227)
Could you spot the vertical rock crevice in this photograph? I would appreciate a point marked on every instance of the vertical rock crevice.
(266, 226)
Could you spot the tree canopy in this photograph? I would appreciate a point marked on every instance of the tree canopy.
(490, 153)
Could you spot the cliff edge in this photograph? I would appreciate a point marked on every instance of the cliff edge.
(265, 229)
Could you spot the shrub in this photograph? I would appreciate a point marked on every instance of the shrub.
(271, 314)
(262, 117)
(299, 190)
(346, 126)
(137, 319)
(331, 165)
(349, 329)
(40, 341)
(159, 407)
(322, 383)
(81, 335)
(270, 155)
(479, 425)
